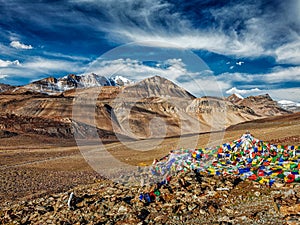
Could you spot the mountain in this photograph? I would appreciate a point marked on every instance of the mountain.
(120, 81)
(144, 109)
(262, 105)
(218, 113)
(5, 87)
(51, 85)
(289, 105)
(154, 107)
(156, 87)
(234, 98)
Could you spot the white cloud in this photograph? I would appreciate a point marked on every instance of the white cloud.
(235, 90)
(136, 70)
(206, 86)
(254, 84)
(162, 24)
(240, 29)
(291, 94)
(2, 76)
(36, 67)
(198, 83)
(46, 65)
(203, 82)
(6, 63)
(278, 75)
(245, 28)
(19, 45)
(289, 53)
(287, 102)
(64, 56)
(283, 75)
(211, 40)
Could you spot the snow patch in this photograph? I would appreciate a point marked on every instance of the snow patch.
(120, 81)
(289, 105)
(239, 96)
(286, 102)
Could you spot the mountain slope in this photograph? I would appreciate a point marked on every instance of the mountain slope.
(71, 81)
(262, 105)
(5, 87)
(154, 107)
(219, 113)
(51, 85)
(156, 87)
(234, 98)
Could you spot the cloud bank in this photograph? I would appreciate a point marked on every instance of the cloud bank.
(198, 83)
(236, 28)
(6, 63)
(19, 45)
(240, 28)
(235, 90)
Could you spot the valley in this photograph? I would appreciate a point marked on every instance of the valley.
(32, 168)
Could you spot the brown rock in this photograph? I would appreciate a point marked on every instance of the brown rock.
(211, 209)
(290, 210)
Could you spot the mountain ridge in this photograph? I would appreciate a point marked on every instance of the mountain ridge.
(147, 109)
(51, 85)
(263, 104)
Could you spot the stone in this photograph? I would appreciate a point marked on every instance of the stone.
(257, 193)
(191, 207)
(143, 214)
(202, 212)
(290, 210)
(122, 209)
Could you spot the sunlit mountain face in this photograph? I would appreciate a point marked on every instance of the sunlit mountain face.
(243, 47)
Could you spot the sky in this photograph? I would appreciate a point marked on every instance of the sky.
(225, 47)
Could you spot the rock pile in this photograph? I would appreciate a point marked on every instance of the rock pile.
(188, 198)
(192, 191)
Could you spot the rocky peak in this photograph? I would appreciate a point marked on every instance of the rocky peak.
(5, 87)
(71, 81)
(46, 81)
(234, 98)
(264, 97)
(119, 81)
(262, 105)
(159, 87)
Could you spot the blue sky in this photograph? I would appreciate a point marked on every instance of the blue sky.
(245, 47)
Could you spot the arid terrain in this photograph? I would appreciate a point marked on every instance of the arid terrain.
(149, 112)
(29, 167)
(40, 159)
(29, 170)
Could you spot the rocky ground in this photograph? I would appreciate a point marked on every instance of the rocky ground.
(189, 198)
(36, 180)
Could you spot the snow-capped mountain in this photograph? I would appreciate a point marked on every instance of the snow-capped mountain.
(120, 81)
(51, 85)
(289, 105)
